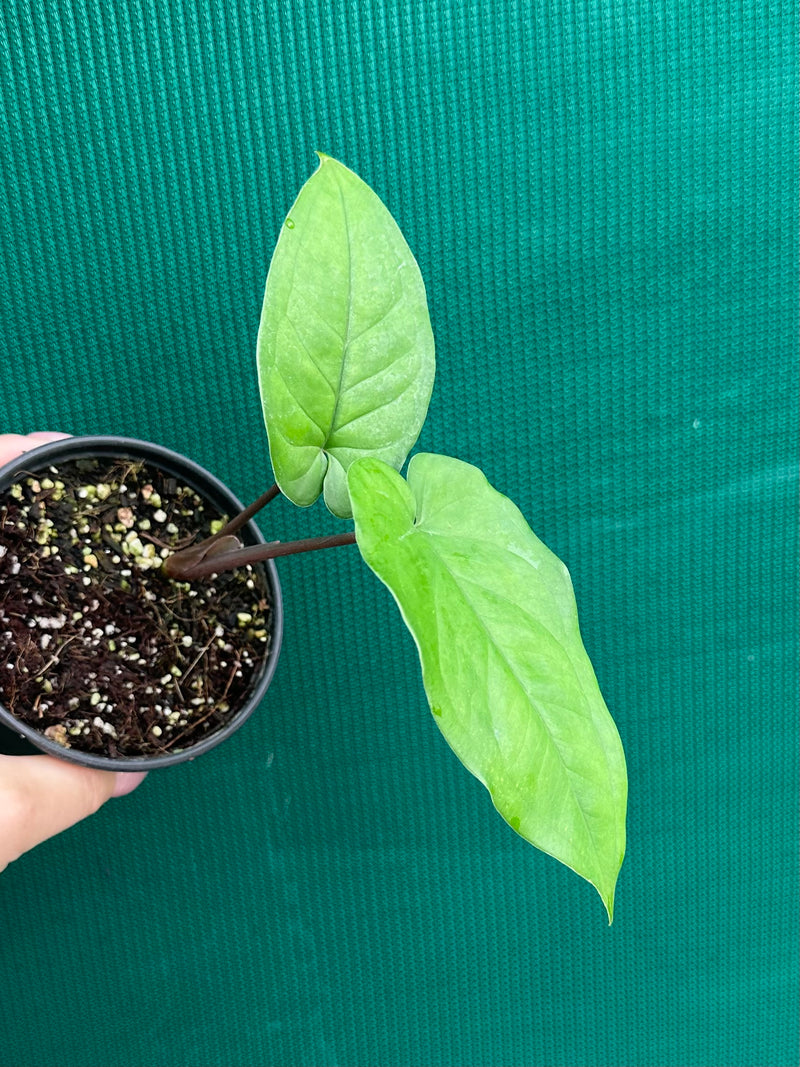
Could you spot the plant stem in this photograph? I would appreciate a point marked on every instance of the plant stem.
(239, 557)
(180, 564)
(238, 521)
(223, 551)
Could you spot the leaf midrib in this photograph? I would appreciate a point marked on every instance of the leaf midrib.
(348, 324)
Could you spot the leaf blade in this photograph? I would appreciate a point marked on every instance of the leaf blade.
(345, 349)
(493, 615)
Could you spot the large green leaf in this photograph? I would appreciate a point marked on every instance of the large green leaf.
(493, 614)
(345, 347)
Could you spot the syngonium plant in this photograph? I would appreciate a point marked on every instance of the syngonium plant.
(345, 360)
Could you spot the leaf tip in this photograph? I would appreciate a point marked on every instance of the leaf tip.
(609, 906)
(326, 157)
(607, 897)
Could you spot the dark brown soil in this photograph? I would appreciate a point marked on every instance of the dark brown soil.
(99, 649)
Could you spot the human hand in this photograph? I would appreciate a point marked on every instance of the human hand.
(40, 795)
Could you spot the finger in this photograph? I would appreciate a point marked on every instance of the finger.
(127, 782)
(40, 796)
(14, 444)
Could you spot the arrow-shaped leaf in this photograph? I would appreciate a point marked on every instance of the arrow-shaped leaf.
(345, 347)
(493, 614)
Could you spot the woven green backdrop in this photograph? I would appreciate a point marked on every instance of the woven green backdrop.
(602, 198)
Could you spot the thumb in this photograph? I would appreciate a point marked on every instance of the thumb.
(12, 444)
(41, 795)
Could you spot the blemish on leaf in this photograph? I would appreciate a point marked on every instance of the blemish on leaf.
(436, 711)
(290, 224)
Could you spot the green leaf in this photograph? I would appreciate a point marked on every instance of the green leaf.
(345, 347)
(493, 615)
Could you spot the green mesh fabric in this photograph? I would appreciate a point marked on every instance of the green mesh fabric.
(602, 198)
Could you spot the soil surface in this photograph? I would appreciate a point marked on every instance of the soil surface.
(99, 649)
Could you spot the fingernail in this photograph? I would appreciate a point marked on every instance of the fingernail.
(127, 782)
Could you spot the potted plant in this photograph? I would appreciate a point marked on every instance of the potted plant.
(105, 660)
(345, 359)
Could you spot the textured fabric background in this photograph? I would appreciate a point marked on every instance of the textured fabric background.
(602, 198)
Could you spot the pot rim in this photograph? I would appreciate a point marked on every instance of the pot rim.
(207, 485)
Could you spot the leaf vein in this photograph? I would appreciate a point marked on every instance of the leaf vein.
(375, 407)
(513, 672)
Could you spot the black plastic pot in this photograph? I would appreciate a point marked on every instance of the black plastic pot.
(17, 738)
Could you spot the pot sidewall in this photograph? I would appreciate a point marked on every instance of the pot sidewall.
(211, 489)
